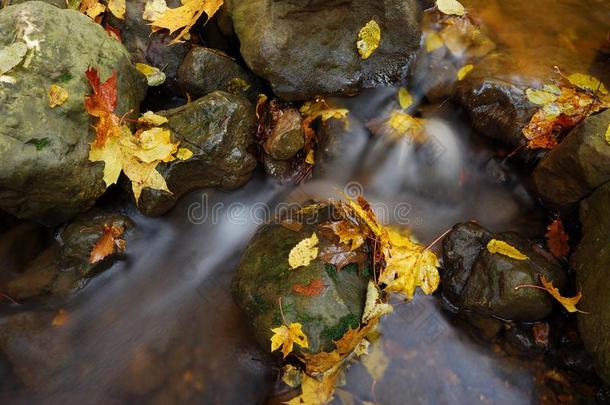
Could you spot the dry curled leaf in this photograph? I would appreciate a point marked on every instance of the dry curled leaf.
(557, 239)
(503, 248)
(57, 95)
(569, 303)
(369, 39)
(108, 243)
(286, 336)
(304, 252)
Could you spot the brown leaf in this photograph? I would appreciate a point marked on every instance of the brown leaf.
(340, 256)
(313, 289)
(107, 243)
(348, 233)
(557, 239)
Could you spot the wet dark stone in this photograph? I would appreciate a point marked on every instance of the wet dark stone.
(591, 261)
(580, 164)
(218, 129)
(309, 49)
(45, 174)
(484, 283)
(264, 277)
(205, 70)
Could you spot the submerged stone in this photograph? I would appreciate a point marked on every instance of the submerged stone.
(218, 129)
(306, 49)
(484, 283)
(265, 278)
(45, 174)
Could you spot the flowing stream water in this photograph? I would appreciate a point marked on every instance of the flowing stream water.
(162, 326)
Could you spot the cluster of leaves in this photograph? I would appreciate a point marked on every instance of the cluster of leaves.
(137, 155)
(562, 107)
(96, 9)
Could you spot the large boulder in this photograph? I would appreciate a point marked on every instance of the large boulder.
(576, 167)
(591, 262)
(308, 48)
(264, 279)
(218, 129)
(483, 283)
(45, 174)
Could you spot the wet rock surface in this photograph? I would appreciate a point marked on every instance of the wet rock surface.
(205, 70)
(484, 283)
(264, 277)
(45, 174)
(309, 49)
(576, 167)
(218, 129)
(590, 262)
(63, 266)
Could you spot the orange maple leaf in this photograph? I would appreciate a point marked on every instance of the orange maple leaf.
(107, 243)
(557, 239)
(101, 104)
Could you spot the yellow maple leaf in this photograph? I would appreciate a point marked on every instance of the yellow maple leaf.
(363, 211)
(57, 95)
(540, 97)
(143, 175)
(400, 124)
(315, 391)
(92, 8)
(348, 233)
(503, 248)
(404, 98)
(154, 145)
(304, 252)
(286, 336)
(373, 307)
(569, 303)
(450, 7)
(184, 154)
(117, 8)
(151, 119)
(464, 71)
(320, 109)
(112, 156)
(369, 39)
(184, 17)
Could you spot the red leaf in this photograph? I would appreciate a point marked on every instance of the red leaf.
(101, 104)
(113, 32)
(557, 239)
(312, 289)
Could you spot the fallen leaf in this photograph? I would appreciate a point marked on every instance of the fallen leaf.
(450, 7)
(11, 56)
(117, 8)
(568, 303)
(310, 158)
(557, 239)
(60, 318)
(153, 9)
(92, 8)
(291, 375)
(376, 362)
(404, 98)
(151, 119)
(313, 289)
(369, 39)
(315, 391)
(464, 71)
(403, 125)
(101, 104)
(503, 248)
(304, 252)
(348, 233)
(286, 336)
(113, 32)
(587, 82)
(321, 109)
(154, 76)
(108, 243)
(540, 330)
(340, 256)
(184, 17)
(607, 136)
(57, 95)
(540, 97)
(374, 308)
(184, 154)
(143, 175)
(363, 211)
(433, 41)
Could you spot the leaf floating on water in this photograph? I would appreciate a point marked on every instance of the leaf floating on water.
(369, 39)
(557, 239)
(503, 248)
(313, 289)
(376, 362)
(450, 7)
(107, 243)
(154, 76)
(11, 56)
(464, 71)
(181, 18)
(286, 336)
(404, 98)
(57, 95)
(304, 252)
(587, 82)
(117, 8)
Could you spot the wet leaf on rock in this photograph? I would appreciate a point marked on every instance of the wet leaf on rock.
(304, 252)
(286, 336)
(181, 18)
(57, 95)
(108, 243)
(117, 8)
(499, 246)
(369, 39)
(557, 239)
(464, 71)
(154, 76)
(607, 135)
(313, 289)
(450, 7)
(92, 8)
(374, 308)
(569, 303)
(151, 119)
